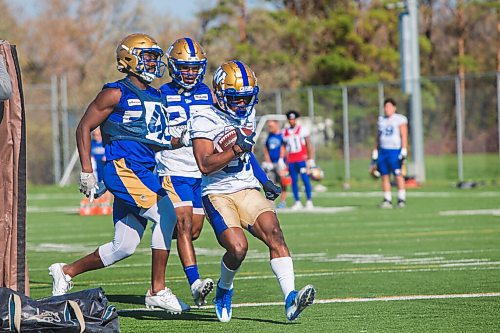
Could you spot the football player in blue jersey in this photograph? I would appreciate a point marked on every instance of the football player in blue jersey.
(186, 95)
(130, 115)
(230, 188)
(391, 151)
(97, 154)
(272, 152)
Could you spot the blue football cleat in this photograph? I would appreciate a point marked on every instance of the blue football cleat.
(222, 301)
(297, 301)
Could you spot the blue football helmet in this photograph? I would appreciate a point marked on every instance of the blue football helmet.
(187, 62)
(236, 90)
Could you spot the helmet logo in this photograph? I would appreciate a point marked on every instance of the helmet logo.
(219, 77)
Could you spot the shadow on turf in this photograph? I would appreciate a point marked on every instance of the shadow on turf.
(192, 315)
(159, 314)
(202, 315)
(130, 299)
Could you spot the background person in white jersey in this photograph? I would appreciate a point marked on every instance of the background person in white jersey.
(230, 191)
(186, 94)
(391, 151)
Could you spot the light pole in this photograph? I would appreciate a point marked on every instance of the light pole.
(410, 75)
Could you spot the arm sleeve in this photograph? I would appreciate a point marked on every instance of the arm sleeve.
(304, 132)
(5, 83)
(404, 120)
(202, 127)
(257, 170)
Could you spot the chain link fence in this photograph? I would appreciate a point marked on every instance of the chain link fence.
(342, 120)
(461, 133)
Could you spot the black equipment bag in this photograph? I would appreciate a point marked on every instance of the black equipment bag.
(82, 311)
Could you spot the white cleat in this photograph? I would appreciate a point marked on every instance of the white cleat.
(386, 204)
(165, 300)
(201, 290)
(309, 204)
(61, 283)
(297, 205)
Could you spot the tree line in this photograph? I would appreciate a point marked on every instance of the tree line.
(289, 43)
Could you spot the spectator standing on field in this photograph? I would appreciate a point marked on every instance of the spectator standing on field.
(391, 151)
(97, 153)
(299, 157)
(272, 153)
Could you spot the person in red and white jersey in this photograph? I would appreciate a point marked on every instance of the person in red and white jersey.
(299, 157)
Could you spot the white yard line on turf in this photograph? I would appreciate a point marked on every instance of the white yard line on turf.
(494, 212)
(36, 209)
(182, 279)
(347, 194)
(409, 193)
(350, 300)
(316, 210)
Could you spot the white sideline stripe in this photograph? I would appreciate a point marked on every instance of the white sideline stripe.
(494, 212)
(349, 300)
(66, 209)
(301, 275)
(316, 210)
(406, 298)
(347, 194)
(55, 196)
(409, 193)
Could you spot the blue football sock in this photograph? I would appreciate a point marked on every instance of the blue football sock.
(192, 273)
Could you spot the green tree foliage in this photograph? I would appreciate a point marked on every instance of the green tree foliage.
(310, 42)
(289, 43)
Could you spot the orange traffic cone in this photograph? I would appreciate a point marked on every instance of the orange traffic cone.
(85, 207)
(106, 204)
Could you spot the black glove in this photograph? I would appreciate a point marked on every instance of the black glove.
(245, 142)
(271, 190)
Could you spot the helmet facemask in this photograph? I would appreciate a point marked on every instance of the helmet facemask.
(178, 69)
(239, 104)
(149, 64)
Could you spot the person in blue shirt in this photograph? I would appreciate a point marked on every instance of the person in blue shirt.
(98, 154)
(272, 152)
(130, 115)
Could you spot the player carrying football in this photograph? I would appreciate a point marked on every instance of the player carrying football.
(230, 191)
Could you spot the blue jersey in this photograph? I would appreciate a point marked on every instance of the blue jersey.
(182, 105)
(136, 127)
(273, 145)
